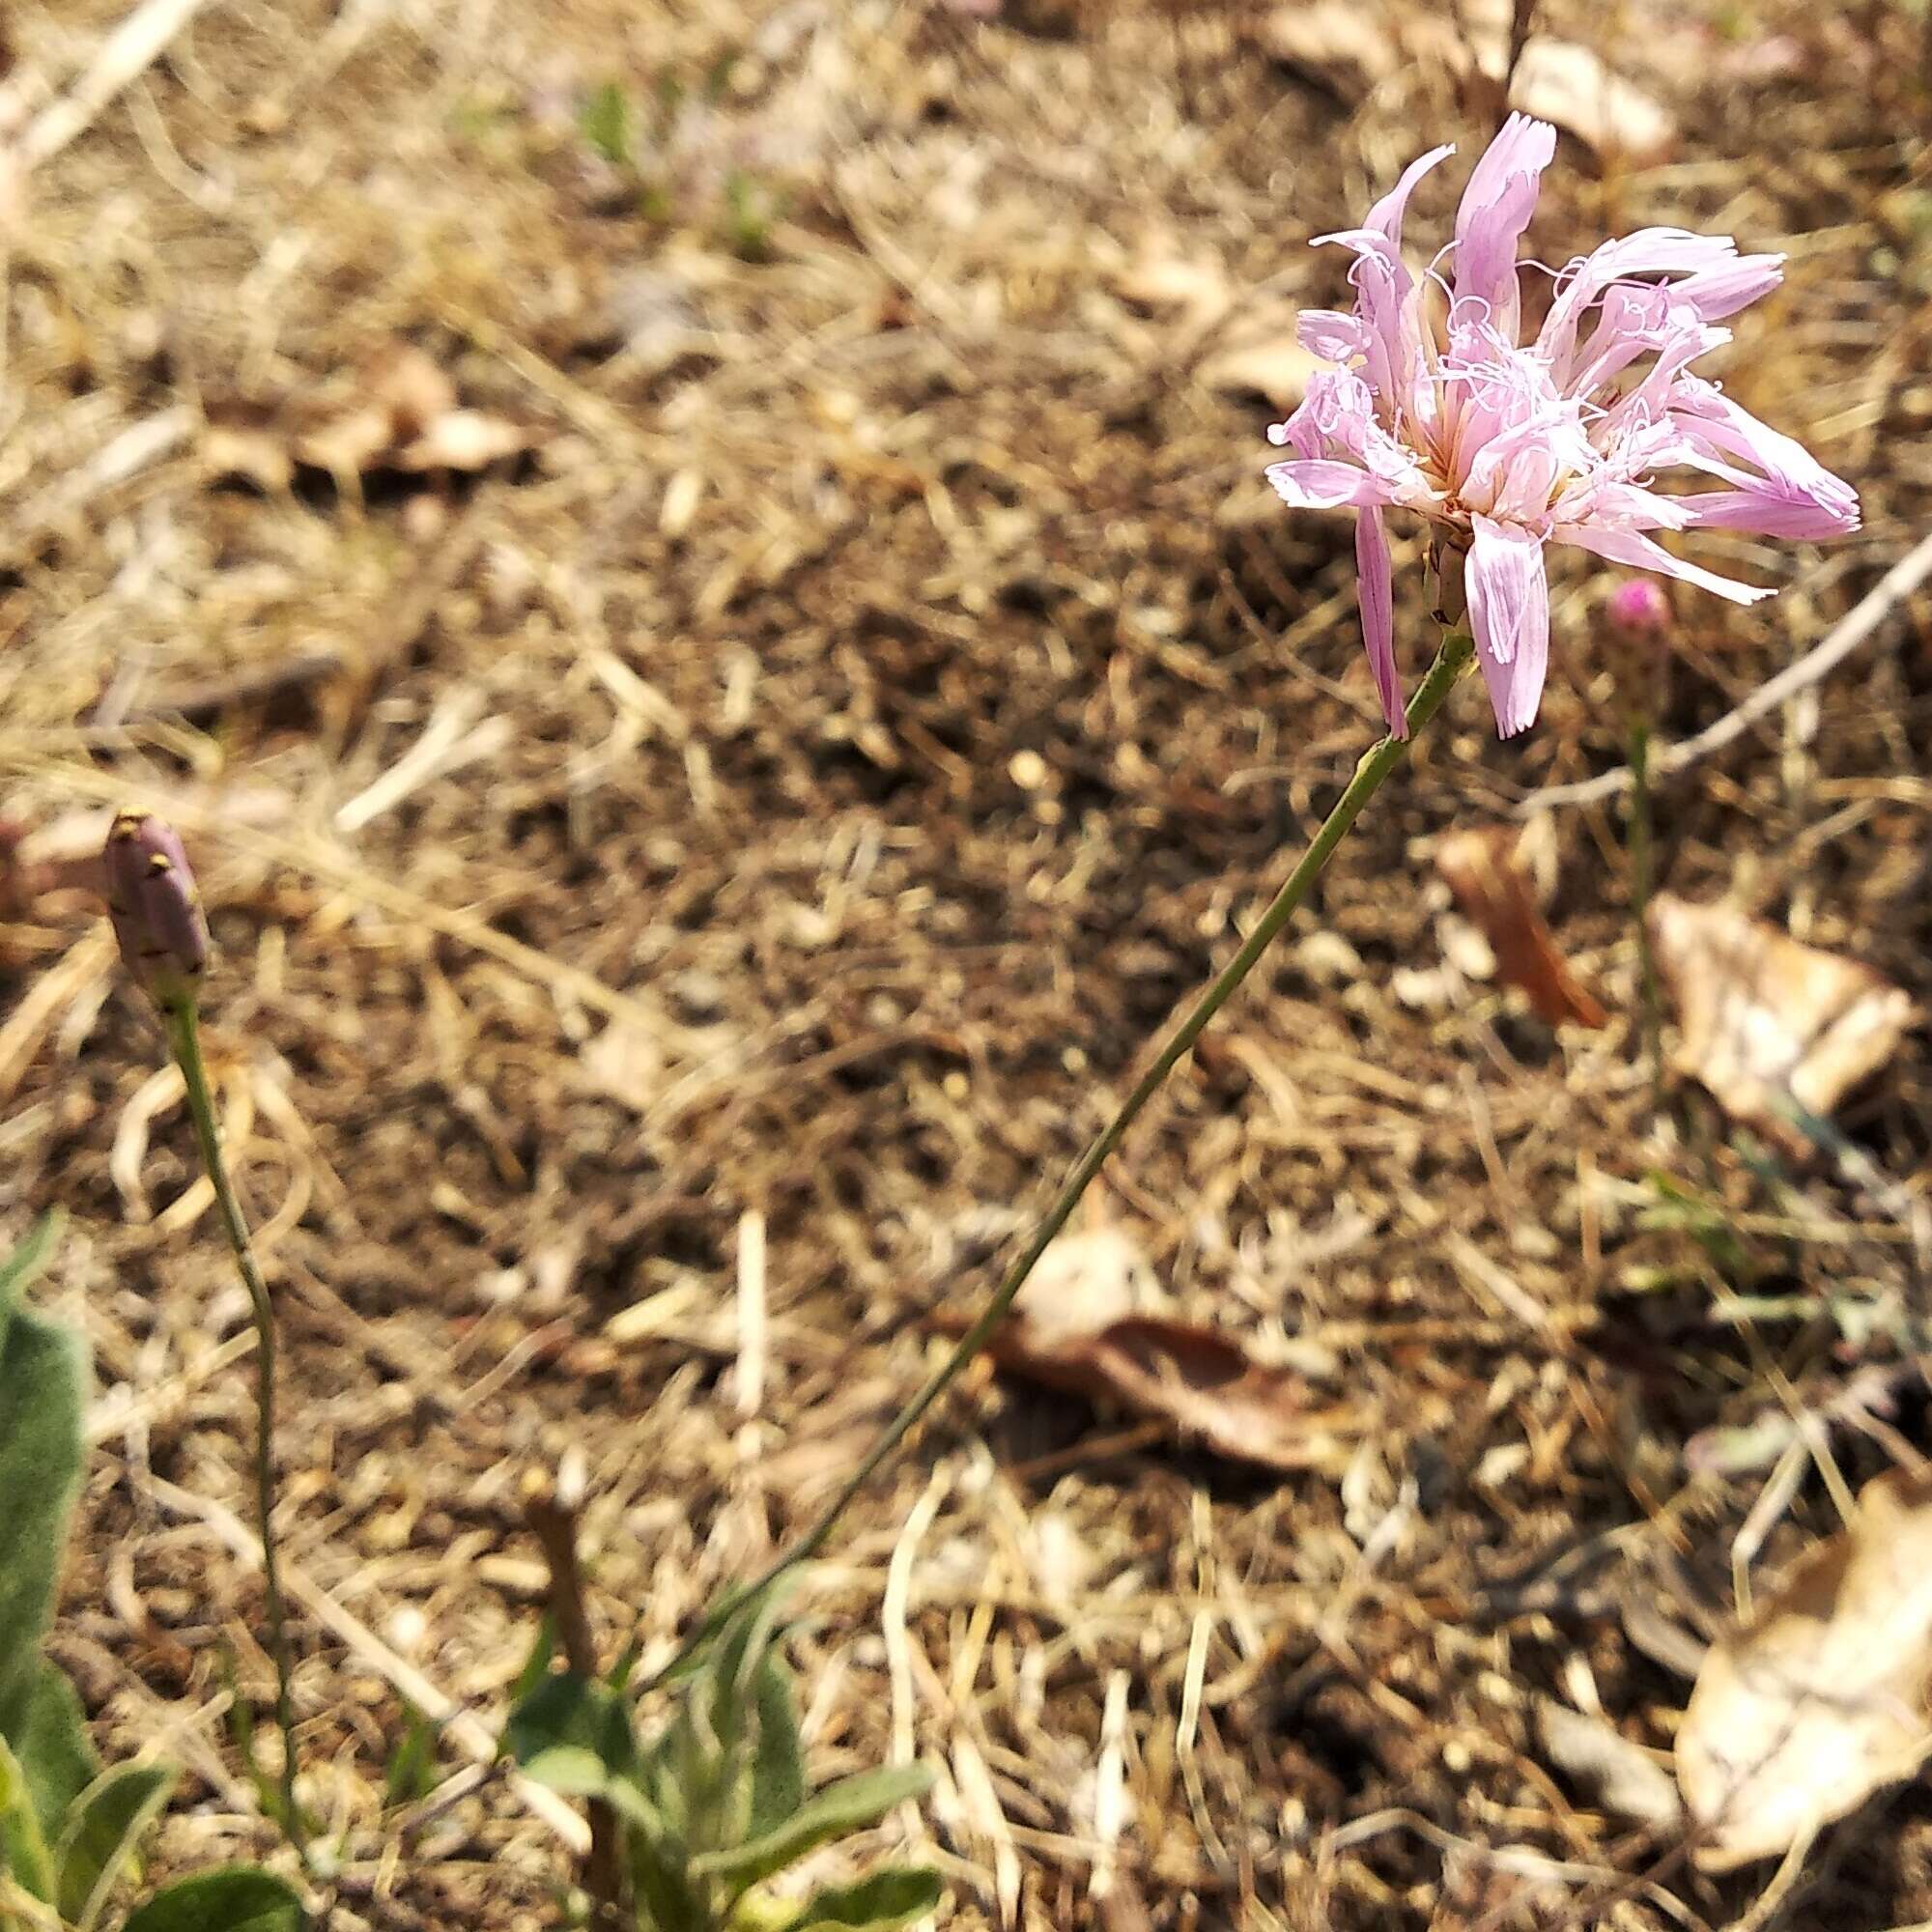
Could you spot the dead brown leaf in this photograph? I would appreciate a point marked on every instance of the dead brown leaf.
(1261, 358)
(1346, 45)
(1495, 896)
(1769, 1026)
(1566, 83)
(1071, 1331)
(1821, 1699)
(1163, 278)
(399, 413)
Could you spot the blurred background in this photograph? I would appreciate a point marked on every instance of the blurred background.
(699, 582)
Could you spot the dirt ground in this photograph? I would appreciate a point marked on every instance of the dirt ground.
(769, 769)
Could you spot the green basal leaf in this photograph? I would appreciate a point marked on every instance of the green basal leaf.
(23, 1850)
(41, 1378)
(566, 1708)
(26, 1260)
(894, 1896)
(606, 123)
(237, 1898)
(536, 1665)
(778, 1763)
(55, 1753)
(410, 1774)
(849, 1806)
(661, 1879)
(103, 1833)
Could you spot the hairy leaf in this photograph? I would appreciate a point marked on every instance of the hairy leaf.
(607, 124)
(894, 1896)
(849, 1806)
(41, 1384)
(55, 1753)
(23, 1851)
(237, 1898)
(103, 1833)
(777, 1764)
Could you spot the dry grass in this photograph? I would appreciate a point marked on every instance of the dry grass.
(879, 697)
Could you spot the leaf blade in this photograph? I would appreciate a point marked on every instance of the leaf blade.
(237, 1898)
(849, 1806)
(103, 1831)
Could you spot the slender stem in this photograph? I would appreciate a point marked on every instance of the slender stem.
(184, 1040)
(1451, 661)
(1641, 866)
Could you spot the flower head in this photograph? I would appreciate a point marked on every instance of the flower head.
(1638, 610)
(154, 908)
(1443, 402)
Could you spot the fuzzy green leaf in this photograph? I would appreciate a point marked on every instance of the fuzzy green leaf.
(410, 1774)
(566, 1708)
(849, 1806)
(26, 1262)
(56, 1755)
(778, 1762)
(41, 1386)
(894, 1896)
(606, 122)
(236, 1898)
(103, 1833)
(23, 1851)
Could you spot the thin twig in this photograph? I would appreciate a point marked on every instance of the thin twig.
(1823, 658)
(128, 51)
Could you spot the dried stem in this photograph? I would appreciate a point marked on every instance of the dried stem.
(1643, 869)
(552, 1520)
(183, 1030)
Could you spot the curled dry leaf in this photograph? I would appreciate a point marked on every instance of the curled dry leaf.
(1566, 83)
(1772, 1028)
(1352, 47)
(400, 413)
(1821, 1699)
(1261, 358)
(1348, 46)
(1496, 896)
(1164, 279)
(1622, 1774)
(1075, 1330)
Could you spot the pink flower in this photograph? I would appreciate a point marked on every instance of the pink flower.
(1441, 403)
(1638, 610)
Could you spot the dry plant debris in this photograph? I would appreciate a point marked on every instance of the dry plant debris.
(1356, 47)
(1822, 1697)
(1772, 1028)
(1496, 896)
(893, 689)
(1088, 1323)
(399, 413)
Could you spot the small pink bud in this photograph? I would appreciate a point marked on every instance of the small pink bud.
(154, 908)
(1639, 610)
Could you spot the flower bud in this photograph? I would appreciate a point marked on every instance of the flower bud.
(1638, 609)
(154, 908)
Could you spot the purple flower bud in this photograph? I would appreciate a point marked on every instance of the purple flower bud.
(1639, 611)
(154, 907)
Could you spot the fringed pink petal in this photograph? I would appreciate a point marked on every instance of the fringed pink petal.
(1509, 613)
(1496, 207)
(1374, 588)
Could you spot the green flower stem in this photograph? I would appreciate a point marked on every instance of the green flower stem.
(1641, 866)
(1452, 659)
(183, 1028)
